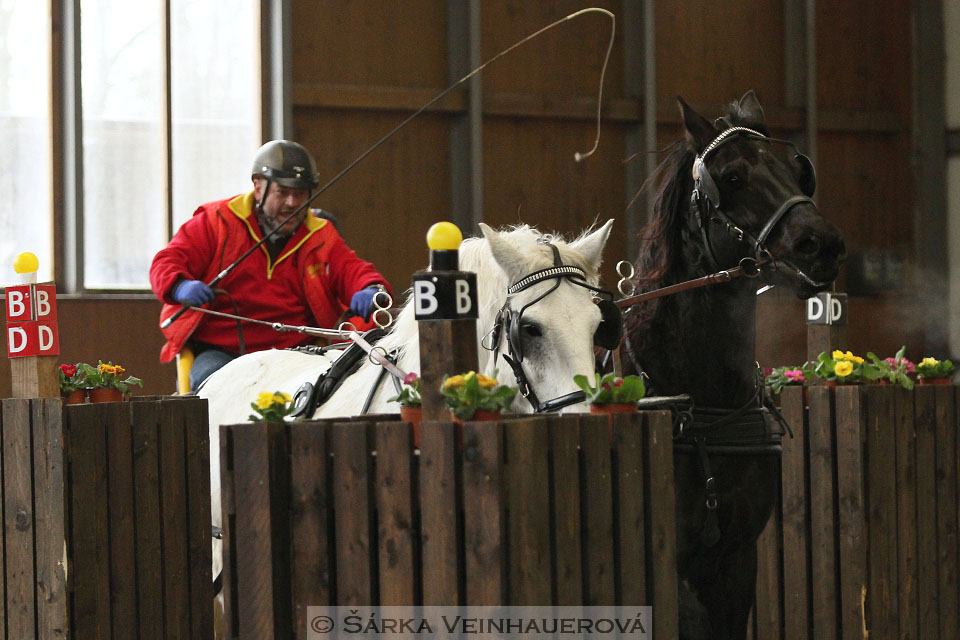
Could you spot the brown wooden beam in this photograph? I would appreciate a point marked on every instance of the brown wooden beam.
(540, 105)
(782, 119)
(509, 104)
(953, 142)
(376, 98)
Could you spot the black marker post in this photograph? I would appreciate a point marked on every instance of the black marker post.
(445, 305)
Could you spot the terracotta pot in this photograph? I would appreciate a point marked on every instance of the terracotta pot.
(614, 407)
(413, 415)
(106, 395)
(933, 380)
(480, 415)
(78, 396)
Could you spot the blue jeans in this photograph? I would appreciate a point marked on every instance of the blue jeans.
(205, 363)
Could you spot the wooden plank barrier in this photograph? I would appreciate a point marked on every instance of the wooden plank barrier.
(539, 510)
(106, 519)
(864, 542)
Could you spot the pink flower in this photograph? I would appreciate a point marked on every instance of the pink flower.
(894, 363)
(410, 379)
(794, 375)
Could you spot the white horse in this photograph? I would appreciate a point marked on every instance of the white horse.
(556, 334)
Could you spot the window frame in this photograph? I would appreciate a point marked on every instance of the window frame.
(66, 129)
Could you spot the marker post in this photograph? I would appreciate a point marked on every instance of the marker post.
(445, 306)
(826, 323)
(33, 341)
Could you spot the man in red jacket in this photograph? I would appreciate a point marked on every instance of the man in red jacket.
(302, 274)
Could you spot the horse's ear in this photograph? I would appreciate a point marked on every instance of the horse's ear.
(749, 110)
(591, 245)
(700, 132)
(506, 255)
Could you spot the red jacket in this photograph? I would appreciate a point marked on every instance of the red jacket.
(310, 283)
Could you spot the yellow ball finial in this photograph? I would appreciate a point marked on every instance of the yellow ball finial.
(26, 262)
(444, 236)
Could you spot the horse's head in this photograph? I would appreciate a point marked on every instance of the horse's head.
(752, 197)
(547, 324)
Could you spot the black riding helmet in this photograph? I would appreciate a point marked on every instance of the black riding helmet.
(286, 163)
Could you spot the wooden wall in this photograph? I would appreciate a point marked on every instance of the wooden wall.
(359, 70)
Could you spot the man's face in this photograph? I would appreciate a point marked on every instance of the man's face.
(280, 203)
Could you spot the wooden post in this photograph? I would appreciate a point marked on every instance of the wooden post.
(826, 323)
(32, 337)
(445, 304)
(34, 377)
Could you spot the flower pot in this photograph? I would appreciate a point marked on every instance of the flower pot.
(106, 395)
(614, 407)
(933, 380)
(413, 415)
(78, 396)
(480, 415)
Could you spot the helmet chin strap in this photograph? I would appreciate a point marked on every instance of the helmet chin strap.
(258, 205)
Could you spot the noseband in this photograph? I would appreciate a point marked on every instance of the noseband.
(705, 204)
(507, 323)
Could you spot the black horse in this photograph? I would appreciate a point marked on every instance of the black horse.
(727, 195)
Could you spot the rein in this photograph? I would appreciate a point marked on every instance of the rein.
(276, 326)
(748, 267)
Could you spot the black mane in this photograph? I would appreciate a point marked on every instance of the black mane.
(701, 343)
(670, 251)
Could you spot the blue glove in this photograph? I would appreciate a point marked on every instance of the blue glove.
(193, 292)
(361, 304)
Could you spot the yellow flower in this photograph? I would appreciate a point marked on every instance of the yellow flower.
(843, 368)
(486, 382)
(455, 381)
(848, 356)
(281, 398)
(929, 362)
(265, 400)
(110, 368)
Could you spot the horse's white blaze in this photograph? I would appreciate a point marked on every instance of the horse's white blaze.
(567, 318)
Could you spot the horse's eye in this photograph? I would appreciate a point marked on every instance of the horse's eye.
(531, 330)
(732, 180)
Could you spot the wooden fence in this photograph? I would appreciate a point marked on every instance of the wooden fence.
(865, 539)
(541, 510)
(106, 520)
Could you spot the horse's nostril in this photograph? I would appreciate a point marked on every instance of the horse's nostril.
(808, 246)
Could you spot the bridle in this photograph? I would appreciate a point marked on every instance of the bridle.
(507, 323)
(705, 206)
